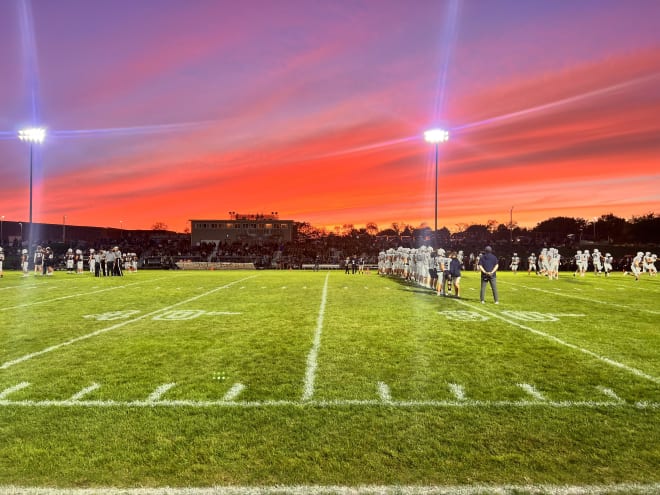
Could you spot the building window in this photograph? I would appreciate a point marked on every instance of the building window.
(284, 226)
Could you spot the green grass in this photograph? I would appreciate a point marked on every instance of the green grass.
(381, 409)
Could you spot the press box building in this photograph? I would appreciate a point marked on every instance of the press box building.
(247, 229)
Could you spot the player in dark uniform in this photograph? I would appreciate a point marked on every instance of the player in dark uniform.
(39, 261)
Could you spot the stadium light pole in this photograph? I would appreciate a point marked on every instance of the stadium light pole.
(2, 223)
(31, 135)
(436, 136)
(595, 220)
(511, 225)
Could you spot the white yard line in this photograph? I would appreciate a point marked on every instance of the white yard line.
(52, 348)
(588, 299)
(70, 296)
(348, 403)
(557, 340)
(474, 489)
(84, 392)
(13, 389)
(312, 358)
(233, 392)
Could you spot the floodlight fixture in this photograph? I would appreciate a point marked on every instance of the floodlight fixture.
(436, 136)
(32, 134)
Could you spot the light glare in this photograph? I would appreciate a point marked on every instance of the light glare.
(436, 136)
(32, 135)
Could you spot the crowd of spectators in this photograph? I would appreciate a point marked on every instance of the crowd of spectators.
(164, 251)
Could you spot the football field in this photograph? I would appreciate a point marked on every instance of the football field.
(322, 382)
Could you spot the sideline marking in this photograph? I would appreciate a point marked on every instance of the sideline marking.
(604, 359)
(13, 389)
(159, 392)
(323, 404)
(476, 489)
(114, 327)
(312, 358)
(384, 392)
(233, 392)
(84, 392)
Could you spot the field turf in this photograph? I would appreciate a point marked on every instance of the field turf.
(322, 379)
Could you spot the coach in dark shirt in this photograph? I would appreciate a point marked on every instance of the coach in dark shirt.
(488, 265)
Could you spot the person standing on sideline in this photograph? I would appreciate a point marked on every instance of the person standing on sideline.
(488, 266)
(454, 273)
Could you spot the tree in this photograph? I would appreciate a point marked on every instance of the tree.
(561, 225)
(159, 226)
(612, 228)
(477, 233)
(371, 228)
(646, 228)
(305, 230)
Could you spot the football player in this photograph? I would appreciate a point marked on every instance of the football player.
(49, 261)
(70, 258)
(515, 261)
(92, 261)
(39, 261)
(608, 261)
(531, 264)
(636, 265)
(653, 271)
(79, 261)
(596, 259)
(24, 262)
(2, 259)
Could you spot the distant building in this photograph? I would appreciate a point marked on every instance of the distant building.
(247, 229)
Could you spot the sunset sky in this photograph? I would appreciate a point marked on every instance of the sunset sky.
(167, 110)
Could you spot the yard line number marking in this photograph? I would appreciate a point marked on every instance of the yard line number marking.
(312, 358)
(597, 301)
(548, 336)
(27, 357)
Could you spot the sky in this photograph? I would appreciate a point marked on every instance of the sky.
(171, 110)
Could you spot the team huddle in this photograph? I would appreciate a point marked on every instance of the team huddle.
(439, 271)
(101, 263)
